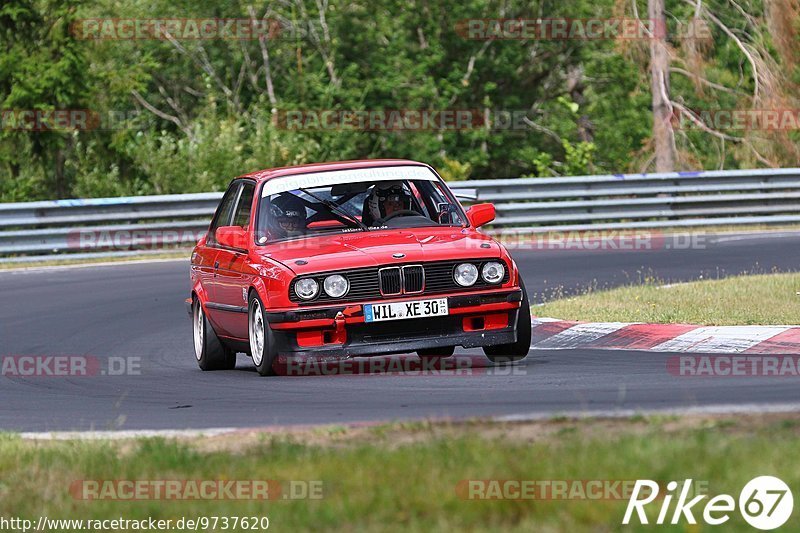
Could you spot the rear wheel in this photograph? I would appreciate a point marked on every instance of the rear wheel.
(209, 351)
(262, 343)
(507, 353)
(436, 353)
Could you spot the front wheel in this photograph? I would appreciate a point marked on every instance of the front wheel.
(210, 353)
(507, 353)
(262, 343)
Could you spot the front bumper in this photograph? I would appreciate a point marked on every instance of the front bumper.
(475, 320)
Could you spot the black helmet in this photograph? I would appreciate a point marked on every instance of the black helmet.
(287, 216)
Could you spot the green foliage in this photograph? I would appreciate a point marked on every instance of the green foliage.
(199, 112)
(452, 170)
(578, 158)
(43, 68)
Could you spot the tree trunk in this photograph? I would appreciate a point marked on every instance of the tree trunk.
(576, 88)
(663, 134)
(62, 189)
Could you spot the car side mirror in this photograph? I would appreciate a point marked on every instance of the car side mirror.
(481, 214)
(232, 237)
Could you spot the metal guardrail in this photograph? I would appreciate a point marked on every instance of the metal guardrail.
(110, 226)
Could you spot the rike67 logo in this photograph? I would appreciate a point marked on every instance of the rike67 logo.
(765, 503)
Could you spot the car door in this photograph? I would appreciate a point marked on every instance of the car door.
(209, 257)
(232, 274)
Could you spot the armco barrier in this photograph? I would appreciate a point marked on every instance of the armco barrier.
(35, 230)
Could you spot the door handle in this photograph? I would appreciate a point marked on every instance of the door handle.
(216, 265)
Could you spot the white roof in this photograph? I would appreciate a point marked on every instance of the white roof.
(353, 175)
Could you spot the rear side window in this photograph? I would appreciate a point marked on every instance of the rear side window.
(245, 206)
(224, 211)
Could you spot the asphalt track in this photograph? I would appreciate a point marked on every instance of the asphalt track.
(136, 312)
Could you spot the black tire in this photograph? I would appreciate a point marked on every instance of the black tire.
(508, 353)
(436, 353)
(209, 351)
(263, 355)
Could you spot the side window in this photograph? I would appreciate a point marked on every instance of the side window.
(419, 199)
(224, 211)
(443, 211)
(245, 205)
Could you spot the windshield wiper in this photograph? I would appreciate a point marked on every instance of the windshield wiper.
(336, 209)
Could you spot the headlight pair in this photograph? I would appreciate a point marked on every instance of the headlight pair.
(466, 274)
(334, 286)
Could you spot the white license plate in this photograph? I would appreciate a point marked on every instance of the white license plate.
(403, 310)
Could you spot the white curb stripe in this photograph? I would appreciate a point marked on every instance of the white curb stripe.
(579, 335)
(544, 320)
(721, 339)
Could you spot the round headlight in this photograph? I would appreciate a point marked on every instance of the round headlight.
(336, 286)
(493, 272)
(306, 288)
(466, 274)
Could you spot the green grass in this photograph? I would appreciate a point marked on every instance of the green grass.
(740, 300)
(64, 260)
(403, 477)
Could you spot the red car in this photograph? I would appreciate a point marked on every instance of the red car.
(350, 259)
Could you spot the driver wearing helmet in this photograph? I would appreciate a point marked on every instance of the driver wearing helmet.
(386, 198)
(287, 216)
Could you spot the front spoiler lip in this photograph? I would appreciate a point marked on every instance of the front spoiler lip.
(475, 339)
(356, 310)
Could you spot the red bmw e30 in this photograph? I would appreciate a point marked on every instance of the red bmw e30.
(349, 259)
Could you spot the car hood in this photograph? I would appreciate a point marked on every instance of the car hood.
(376, 248)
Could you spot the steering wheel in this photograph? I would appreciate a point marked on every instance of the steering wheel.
(402, 213)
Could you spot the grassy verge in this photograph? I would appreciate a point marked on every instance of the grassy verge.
(404, 477)
(740, 300)
(66, 261)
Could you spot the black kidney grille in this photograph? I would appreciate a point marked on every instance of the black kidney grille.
(377, 282)
(390, 281)
(413, 279)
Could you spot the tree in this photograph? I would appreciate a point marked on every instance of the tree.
(44, 69)
(663, 134)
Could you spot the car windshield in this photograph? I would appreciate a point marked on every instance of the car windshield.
(363, 205)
